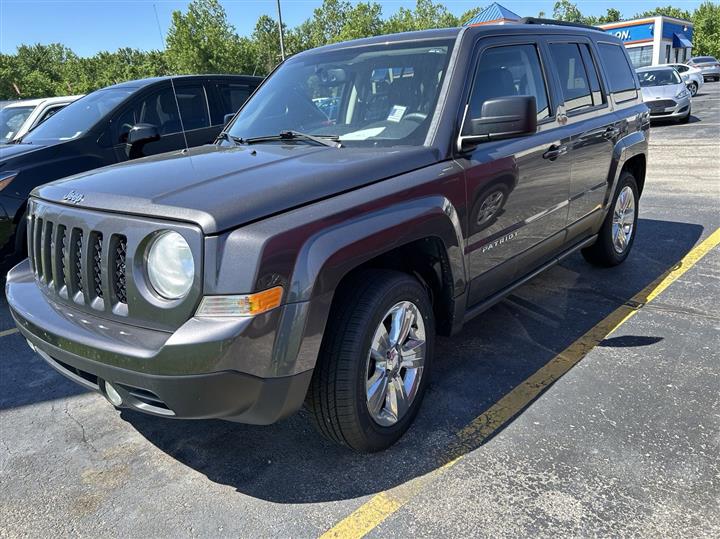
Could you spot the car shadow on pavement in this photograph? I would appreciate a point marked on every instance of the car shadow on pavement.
(290, 463)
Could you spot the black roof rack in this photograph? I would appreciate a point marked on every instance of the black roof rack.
(536, 20)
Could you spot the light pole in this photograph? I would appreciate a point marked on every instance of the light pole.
(280, 28)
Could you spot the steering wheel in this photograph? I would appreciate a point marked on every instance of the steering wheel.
(418, 117)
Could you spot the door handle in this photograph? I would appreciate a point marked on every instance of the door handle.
(554, 152)
(611, 132)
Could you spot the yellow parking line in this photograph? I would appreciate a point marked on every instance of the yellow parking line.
(8, 332)
(382, 505)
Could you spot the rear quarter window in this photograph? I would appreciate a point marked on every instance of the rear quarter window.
(620, 74)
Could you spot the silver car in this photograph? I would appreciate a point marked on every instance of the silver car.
(709, 66)
(692, 76)
(665, 93)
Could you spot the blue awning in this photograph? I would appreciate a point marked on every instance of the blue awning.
(681, 42)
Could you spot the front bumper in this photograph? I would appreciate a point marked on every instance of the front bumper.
(680, 109)
(192, 373)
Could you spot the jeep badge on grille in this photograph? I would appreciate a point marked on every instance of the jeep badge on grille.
(74, 197)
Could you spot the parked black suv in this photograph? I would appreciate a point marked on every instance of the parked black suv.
(112, 125)
(369, 195)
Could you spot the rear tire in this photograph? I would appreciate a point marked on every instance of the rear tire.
(617, 234)
(339, 398)
(693, 87)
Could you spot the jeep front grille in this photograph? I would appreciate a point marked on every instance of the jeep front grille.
(93, 261)
(73, 263)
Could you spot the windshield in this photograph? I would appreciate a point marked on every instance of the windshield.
(11, 118)
(375, 95)
(78, 117)
(659, 77)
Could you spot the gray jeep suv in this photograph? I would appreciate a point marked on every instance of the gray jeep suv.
(367, 197)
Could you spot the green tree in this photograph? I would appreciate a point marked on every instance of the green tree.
(612, 15)
(469, 14)
(668, 11)
(426, 15)
(706, 33)
(203, 41)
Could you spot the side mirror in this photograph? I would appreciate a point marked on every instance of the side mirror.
(138, 137)
(228, 118)
(502, 117)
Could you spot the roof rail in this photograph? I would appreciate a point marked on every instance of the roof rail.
(536, 20)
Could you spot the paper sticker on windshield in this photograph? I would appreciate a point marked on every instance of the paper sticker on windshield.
(363, 134)
(396, 113)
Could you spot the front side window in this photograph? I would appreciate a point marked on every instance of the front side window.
(161, 110)
(509, 71)
(375, 95)
(79, 116)
(11, 119)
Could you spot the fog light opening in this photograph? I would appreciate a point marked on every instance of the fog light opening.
(112, 395)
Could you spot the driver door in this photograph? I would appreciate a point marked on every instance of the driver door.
(517, 187)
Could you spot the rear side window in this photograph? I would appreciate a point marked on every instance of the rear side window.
(574, 78)
(507, 71)
(620, 74)
(232, 97)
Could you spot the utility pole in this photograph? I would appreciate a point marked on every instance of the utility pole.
(280, 27)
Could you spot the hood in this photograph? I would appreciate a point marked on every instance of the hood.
(219, 187)
(8, 151)
(650, 93)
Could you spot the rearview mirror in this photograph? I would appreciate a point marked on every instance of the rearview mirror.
(228, 118)
(501, 117)
(138, 137)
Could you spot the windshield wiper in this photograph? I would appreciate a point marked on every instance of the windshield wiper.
(326, 140)
(230, 138)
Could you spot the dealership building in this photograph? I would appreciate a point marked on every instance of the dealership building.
(654, 40)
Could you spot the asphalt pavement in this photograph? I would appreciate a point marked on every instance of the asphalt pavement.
(622, 439)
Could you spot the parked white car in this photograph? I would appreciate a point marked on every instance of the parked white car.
(19, 117)
(692, 76)
(665, 93)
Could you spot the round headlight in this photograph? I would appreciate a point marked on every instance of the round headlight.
(170, 265)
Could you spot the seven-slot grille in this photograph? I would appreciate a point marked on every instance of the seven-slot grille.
(73, 262)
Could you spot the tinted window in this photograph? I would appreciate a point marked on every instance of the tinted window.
(704, 59)
(592, 72)
(193, 107)
(161, 110)
(507, 71)
(620, 75)
(573, 77)
(232, 96)
(681, 68)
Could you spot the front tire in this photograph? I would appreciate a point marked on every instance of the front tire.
(374, 361)
(617, 234)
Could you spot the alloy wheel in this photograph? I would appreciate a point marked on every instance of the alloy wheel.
(623, 220)
(395, 363)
